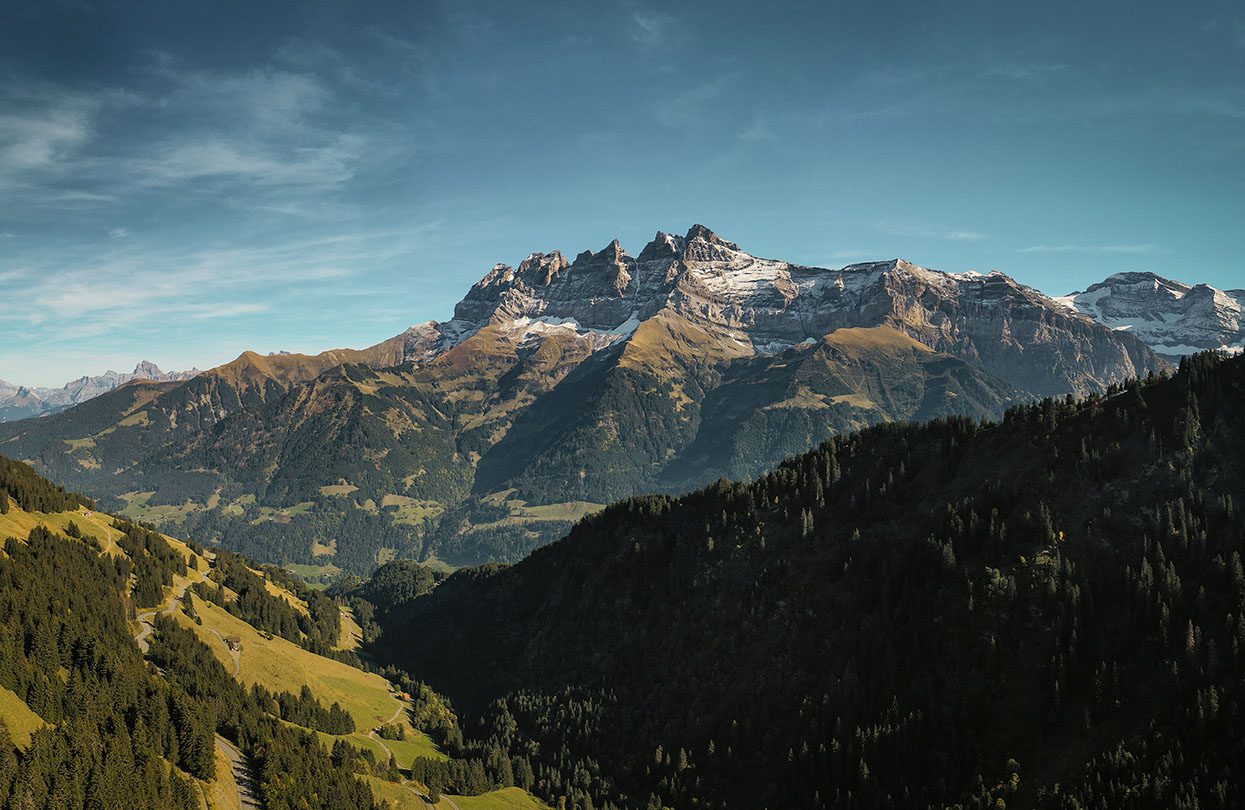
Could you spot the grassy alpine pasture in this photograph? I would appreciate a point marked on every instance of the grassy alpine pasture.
(404, 751)
(18, 523)
(22, 722)
(398, 795)
(415, 745)
(352, 634)
(281, 593)
(137, 507)
(315, 576)
(402, 797)
(280, 665)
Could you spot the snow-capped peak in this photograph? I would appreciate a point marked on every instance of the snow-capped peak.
(1172, 317)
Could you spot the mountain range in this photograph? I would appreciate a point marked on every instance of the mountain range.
(560, 385)
(20, 402)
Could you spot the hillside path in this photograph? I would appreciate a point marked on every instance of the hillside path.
(248, 797)
(146, 619)
(372, 732)
(243, 778)
(401, 708)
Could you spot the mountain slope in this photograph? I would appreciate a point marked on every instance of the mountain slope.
(909, 616)
(132, 663)
(558, 386)
(1173, 318)
(119, 732)
(640, 420)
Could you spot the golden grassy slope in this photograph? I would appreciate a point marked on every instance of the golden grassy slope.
(512, 798)
(280, 665)
(860, 342)
(22, 722)
(223, 793)
(18, 523)
(251, 369)
(664, 343)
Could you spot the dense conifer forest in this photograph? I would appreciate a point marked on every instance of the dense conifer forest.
(119, 731)
(1045, 611)
(32, 492)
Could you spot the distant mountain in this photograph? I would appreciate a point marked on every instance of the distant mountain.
(20, 402)
(561, 385)
(1173, 318)
(1041, 612)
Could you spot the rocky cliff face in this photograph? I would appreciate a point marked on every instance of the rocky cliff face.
(769, 306)
(1171, 317)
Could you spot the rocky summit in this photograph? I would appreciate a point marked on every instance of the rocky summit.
(558, 386)
(767, 306)
(1171, 317)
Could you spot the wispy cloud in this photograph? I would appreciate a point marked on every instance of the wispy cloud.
(36, 136)
(758, 130)
(265, 127)
(129, 287)
(210, 311)
(851, 254)
(689, 105)
(243, 161)
(928, 231)
(1026, 71)
(651, 28)
(1139, 249)
(276, 131)
(44, 131)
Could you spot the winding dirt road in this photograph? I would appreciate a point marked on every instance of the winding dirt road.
(243, 777)
(146, 620)
(381, 740)
(248, 796)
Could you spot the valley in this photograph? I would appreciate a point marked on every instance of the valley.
(934, 565)
(463, 466)
(1040, 612)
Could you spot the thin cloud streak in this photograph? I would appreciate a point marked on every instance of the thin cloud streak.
(651, 28)
(928, 231)
(1143, 249)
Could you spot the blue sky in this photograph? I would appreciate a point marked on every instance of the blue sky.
(181, 181)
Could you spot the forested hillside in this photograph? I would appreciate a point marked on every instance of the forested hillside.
(114, 695)
(1045, 611)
